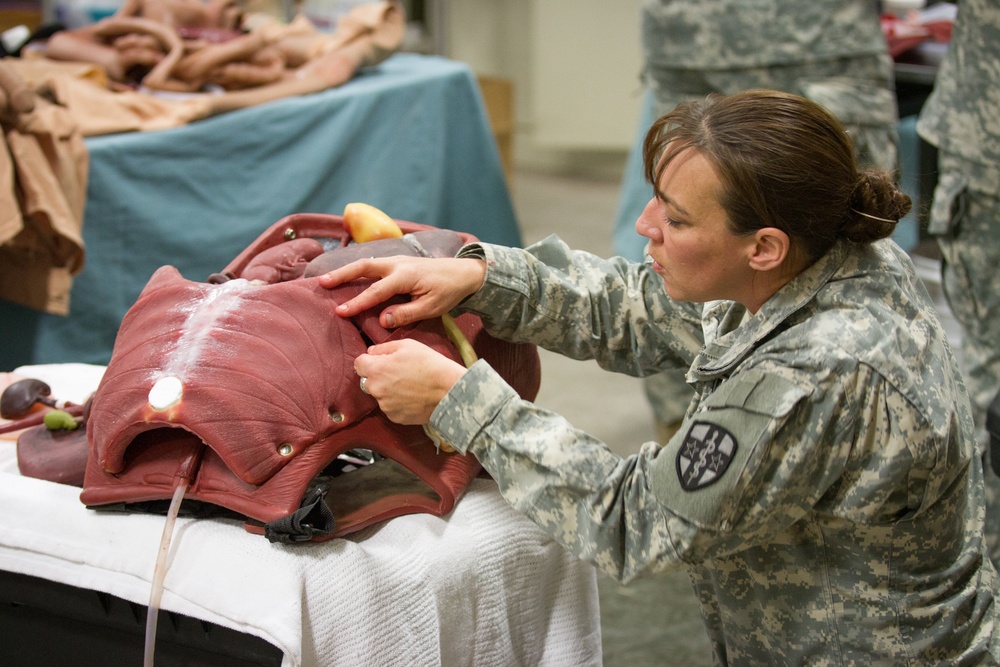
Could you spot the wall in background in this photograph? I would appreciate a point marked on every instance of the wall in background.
(575, 77)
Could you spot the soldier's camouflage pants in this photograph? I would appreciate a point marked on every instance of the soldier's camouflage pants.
(965, 219)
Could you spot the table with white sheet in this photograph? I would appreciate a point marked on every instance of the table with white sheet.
(481, 586)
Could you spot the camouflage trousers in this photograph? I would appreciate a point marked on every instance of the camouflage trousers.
(859, 91)
(965, 219)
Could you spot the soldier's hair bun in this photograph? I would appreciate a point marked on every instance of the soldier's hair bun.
(875, 207)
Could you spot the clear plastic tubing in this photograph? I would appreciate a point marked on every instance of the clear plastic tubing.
(160, 572)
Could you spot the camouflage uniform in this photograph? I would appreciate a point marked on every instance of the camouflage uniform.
(962, 118)
(830, 51)
(824, 490)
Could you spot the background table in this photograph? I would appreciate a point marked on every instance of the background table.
(410, 136)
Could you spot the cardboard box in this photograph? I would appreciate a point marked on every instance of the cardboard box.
(20, 13)
(498, 96)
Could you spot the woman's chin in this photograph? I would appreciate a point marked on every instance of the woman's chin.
(672, 290)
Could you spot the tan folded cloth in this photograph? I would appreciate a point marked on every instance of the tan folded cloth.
(96, 109)
(44, 174)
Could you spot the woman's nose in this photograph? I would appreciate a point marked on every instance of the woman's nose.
(644, 225)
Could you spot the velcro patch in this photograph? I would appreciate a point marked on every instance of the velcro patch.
(705, 456)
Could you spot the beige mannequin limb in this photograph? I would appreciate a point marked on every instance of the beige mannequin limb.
(164, 39)
(186, 13)
(15, 95)
(319, 74)
(315, 61)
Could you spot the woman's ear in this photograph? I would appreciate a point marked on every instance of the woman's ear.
(769, 249)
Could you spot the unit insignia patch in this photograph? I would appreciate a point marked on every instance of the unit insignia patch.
(707, 451)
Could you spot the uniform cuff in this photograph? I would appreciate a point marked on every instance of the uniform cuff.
(471, 404)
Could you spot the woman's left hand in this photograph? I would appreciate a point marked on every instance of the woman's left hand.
(407, 378)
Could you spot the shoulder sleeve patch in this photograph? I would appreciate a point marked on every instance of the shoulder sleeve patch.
(698, 474)
(707, 451)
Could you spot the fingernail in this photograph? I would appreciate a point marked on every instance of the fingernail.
(390, 321)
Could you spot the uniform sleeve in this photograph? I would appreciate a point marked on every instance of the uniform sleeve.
(596, 504)
(753, 459)
(741, 470)
(584, 307)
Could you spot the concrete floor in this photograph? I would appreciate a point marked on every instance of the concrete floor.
(654, 621)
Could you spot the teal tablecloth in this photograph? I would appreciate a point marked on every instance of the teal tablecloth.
(410, 136)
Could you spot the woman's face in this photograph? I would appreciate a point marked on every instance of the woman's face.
(690, 243)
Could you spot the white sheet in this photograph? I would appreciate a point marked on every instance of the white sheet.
(482, 586)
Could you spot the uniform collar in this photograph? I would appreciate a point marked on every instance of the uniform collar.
(731, 333)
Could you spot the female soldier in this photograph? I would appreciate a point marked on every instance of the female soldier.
(824, 490)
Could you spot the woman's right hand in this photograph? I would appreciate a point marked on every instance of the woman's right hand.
(435, 286)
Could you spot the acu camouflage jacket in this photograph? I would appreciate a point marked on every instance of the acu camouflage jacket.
(823, 491)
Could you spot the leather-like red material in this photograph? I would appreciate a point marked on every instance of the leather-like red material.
(55, 456)
(270, 397)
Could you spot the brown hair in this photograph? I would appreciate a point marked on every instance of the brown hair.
(784, 162)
